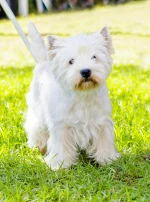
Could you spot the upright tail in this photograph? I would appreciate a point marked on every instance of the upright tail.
(38, 47)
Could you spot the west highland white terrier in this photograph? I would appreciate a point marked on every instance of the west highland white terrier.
(68, 103)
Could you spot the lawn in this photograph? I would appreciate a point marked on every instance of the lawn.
(23, 174)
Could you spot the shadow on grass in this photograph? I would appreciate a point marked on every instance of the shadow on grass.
(21, 172)
(113, 32)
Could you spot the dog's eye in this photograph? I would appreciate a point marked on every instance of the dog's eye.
(94, 57)
(71, 61)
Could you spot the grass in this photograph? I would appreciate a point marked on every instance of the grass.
(23, 174)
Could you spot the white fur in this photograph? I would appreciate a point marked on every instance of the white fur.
(64, 118)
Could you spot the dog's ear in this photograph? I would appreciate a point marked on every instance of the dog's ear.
(107, 37)
(51, 42)
(54, 43)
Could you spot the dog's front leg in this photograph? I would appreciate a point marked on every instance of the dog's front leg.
(61, 148)
(102, 147)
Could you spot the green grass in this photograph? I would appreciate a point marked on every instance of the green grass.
(23, 174)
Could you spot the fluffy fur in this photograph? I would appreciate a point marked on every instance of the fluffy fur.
(66, 111)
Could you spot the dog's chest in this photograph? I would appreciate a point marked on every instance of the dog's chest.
(86, 120)
(85, 112)
(75, 110)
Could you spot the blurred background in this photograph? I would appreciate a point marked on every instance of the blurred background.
(128, 21)
(24, 7)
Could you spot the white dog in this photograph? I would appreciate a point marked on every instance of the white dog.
(68, 104)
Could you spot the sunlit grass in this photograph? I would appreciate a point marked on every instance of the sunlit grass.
(23, 174)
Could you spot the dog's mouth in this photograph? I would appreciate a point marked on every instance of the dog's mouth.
(87, 83)
(87, 79)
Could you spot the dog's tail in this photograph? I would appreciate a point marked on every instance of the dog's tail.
(38, 47)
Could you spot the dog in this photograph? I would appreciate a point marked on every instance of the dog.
(68, 103)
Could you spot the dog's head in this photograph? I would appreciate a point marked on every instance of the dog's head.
(82, 62)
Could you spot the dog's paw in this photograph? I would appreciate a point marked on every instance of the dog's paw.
(55, 167)
(54, 162)
(108, 159)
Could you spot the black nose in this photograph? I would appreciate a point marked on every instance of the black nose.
(85, 73)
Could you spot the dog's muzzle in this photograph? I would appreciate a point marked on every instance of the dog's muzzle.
(87, 83)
